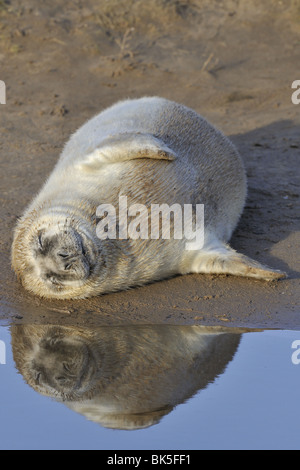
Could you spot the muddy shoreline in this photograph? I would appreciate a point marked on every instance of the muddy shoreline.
(63, 62)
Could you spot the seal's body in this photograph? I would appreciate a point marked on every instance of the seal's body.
(153, 151)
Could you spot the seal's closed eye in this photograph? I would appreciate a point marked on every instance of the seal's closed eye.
(40, 241)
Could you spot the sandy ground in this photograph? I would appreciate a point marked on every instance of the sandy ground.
(233, 61)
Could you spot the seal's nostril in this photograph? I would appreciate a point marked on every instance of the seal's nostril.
(63, 255)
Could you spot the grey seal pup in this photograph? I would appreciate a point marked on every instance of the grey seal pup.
(152, 152)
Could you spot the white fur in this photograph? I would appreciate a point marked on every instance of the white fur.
(154, 151)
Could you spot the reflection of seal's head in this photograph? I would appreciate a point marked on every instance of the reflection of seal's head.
(121, 377)
(63, 366)
(56, 364)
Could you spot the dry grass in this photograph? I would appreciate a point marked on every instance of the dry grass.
(144, 16)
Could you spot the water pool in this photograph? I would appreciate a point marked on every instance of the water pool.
(148, 387)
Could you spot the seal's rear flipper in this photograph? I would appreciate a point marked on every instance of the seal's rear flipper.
(228, 261)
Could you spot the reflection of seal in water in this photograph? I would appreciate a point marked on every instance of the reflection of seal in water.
(154, 152)
(121, 377)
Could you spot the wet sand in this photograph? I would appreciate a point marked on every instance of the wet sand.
(233, 62)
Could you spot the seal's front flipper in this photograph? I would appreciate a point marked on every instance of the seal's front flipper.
(127, 146)
(228, 261)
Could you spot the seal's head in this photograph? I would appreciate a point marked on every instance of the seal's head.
(54, 259)
(61, 256)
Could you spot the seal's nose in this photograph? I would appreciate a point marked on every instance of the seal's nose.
(67, 260)
(68, 269)
(73, 262)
